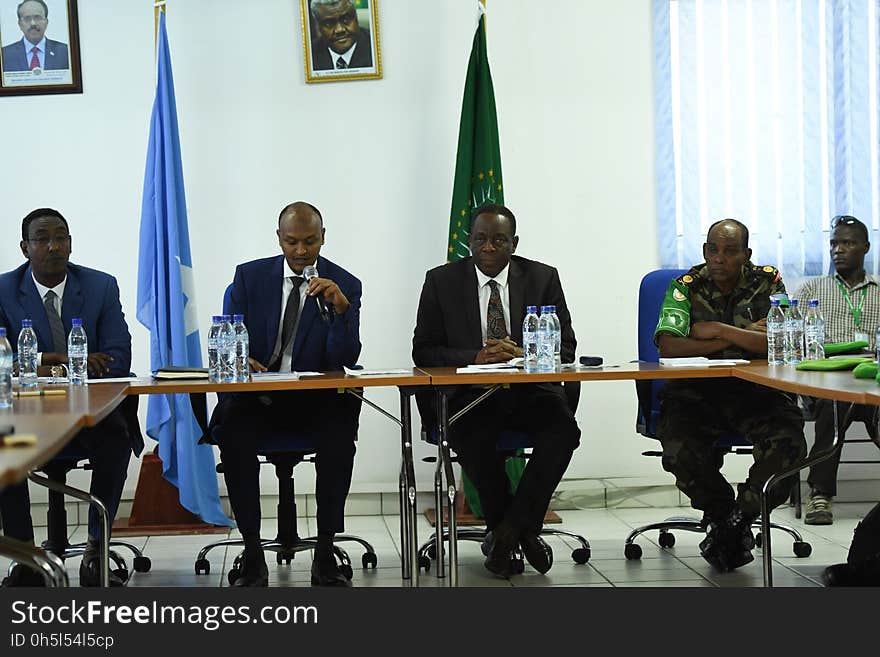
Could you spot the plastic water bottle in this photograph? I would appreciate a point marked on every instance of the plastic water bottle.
(530, 339)
(27, 355)
(77, 353)
(5, 370)
(226, 352)
(775, 334)
(242, 350)
(214, 372)
(546, 341)
(794, 334)
(557, 336)
(814, 332)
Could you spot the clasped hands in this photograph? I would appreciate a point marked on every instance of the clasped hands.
(498, 351)
(98, 363)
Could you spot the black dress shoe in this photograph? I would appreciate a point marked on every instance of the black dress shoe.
(254, 571)
(846, 574)
(325, 572)
(90, 572)
(537, 552)
(21, 575)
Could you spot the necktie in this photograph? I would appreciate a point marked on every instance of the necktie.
(340, 63)
(495, 326)
(55, 324)
(35, 61)
(291, 312)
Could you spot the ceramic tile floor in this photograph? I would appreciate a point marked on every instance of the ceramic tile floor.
(173, 556)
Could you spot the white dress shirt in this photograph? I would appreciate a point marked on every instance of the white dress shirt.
(286, 288)
(485, 291)
(346, 56)
(59, 297)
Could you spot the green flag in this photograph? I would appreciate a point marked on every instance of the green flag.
(477, 182)
(478, 163)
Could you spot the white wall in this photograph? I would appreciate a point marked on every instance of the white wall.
(573, 86)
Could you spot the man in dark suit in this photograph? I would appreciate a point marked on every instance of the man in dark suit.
(471, 311)
(342, 43)
(288, 333)
(34, 50)
(51, 291)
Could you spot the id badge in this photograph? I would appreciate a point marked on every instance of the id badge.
(860, 336)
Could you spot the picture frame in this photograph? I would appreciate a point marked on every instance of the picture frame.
(340, 40)
(55, 66)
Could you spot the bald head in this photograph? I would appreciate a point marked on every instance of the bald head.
(726, 252)
(731, 224)
(300, 234)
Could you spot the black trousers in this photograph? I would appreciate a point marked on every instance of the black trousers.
(540, 410)
(695, 414)
(241, 421)
(108, 447)
(823, 476)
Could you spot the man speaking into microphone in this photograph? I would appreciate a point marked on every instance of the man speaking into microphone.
(289, 332)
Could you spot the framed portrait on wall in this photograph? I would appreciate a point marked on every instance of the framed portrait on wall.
(340, 40)
(40, 47)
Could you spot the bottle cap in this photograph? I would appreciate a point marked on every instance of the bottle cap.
(774, 303)
(238, 318)
(217, 318)
(26, 322)
(2, 331)
(76, 321)
(531, 309)
(793, 302)
(814, 303)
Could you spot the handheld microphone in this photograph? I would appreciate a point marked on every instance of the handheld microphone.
(310, 272)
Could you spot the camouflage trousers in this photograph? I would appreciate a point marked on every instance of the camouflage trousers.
(695, 415)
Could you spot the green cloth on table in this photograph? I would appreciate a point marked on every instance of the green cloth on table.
(835, 348)
(833, 364)
(866, 370)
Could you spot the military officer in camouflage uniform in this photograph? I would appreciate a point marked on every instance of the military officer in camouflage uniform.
(718, 310)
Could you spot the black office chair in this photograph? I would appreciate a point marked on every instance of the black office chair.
(72, 457)
(651, 293)
(285, 449)
(514, 444)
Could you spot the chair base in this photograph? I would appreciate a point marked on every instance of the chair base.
(285, 552)
(632, 550)
(428, 551)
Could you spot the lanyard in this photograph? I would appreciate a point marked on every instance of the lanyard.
(855, 312)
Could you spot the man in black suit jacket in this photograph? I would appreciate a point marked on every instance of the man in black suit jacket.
(461, 310)
(47, 54)
(342, 43)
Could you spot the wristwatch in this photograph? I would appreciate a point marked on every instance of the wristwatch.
(58, 371)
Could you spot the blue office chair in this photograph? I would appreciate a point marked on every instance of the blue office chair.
(651, 292)
(74, 456)
(513, 444)
(285, 449)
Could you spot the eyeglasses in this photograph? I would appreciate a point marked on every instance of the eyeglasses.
(32, 19)
(59, 240)
(844, 220)
(498, 241)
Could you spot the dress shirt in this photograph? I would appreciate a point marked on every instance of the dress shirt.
(41, 51)
(286, 288)
(484, 291)
(346, 56)
(59, 297)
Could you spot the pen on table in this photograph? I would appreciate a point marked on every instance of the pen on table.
(39, 393)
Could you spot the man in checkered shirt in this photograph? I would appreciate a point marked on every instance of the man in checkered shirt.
(850, 302)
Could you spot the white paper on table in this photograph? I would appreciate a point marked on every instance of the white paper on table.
(275, 376)
(118, 379)
(351, 372)
(702, 361)
(46, 379)
(482, 369)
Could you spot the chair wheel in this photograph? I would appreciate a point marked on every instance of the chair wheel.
(759, 540)
(346, 570)
(517, 566)
(232, 575)
(424, 563)
(580, 555)
(632, 551)
(667, 540)
(203, 567)
(369, 560)
(121, 573)
(802, 549)
(143, 564)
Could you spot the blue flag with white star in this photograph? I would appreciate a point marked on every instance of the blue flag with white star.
(166, 306)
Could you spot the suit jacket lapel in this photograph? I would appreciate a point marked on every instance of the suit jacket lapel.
(32, 306)
(272, 303)
(472, 305)
(517, 292)
(71, 305)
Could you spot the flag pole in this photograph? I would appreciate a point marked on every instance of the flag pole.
(158, 5)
